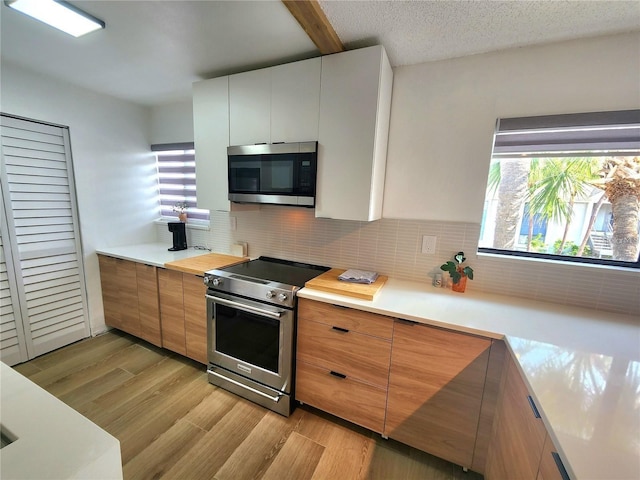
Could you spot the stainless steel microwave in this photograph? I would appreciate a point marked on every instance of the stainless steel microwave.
(277, 173)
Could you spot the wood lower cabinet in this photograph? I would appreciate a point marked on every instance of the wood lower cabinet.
(130, 297)
(110, 291)
(162, 306)
(520, 447)
(549, 468)
(148, 303)
(195, 317)
(342, 362)
(183, 314)
(436, 386)
(172, 310)
(519, 436)
(490, 398)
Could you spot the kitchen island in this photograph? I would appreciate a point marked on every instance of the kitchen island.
(581, 366)
(50, 439)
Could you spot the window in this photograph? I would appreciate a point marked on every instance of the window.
(565, 187)
(177, 182)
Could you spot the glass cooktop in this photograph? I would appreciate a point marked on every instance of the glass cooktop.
(277, 270)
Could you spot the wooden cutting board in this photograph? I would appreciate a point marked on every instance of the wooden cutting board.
(328, 282)
(203, 263)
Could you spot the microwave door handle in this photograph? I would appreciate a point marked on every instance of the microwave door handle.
(246, 308)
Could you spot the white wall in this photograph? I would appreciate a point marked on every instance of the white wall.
(172, 123)
(113, 167)
(441, 133)
(443, 115)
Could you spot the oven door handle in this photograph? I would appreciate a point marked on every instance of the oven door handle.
(242, 306)
(275, 399)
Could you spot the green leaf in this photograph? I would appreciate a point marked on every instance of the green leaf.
(468, 271)
(448, 267)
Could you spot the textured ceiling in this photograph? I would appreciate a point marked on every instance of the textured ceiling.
(152, 51)
(419, 31)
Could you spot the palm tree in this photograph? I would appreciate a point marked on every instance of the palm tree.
(513, 177)
(620, 180)
(560, 182)
(550, 186)
(592, 220)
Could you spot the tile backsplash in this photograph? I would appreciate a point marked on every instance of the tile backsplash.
(392, 247)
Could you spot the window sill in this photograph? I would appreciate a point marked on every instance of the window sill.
(611, 268)
(191, 224)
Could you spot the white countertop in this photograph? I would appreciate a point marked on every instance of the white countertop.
(156, 254)
(53, 440)
(582, 366)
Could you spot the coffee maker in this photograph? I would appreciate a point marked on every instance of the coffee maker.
(179, 236)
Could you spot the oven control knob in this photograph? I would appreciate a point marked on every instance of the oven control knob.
(206, 280)
(216, 282)
(282, 297)
(271, 294)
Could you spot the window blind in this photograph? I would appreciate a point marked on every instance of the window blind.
(615, 133)
(177, 180)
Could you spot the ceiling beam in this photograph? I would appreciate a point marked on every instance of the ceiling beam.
(313, 20)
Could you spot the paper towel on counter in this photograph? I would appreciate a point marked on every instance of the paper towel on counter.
(358, 276)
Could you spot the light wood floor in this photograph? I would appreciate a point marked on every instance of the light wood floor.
(173, 424)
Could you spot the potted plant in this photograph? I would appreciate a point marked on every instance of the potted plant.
(458, 272)
(181, 208)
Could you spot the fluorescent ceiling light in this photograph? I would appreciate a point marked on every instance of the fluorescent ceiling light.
(58, 14)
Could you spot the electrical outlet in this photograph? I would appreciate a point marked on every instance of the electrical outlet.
(429, 244)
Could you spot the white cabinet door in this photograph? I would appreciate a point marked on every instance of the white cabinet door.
(295, 101)
(39, 198)
(211, 135)
(355, 104)
(250, 107)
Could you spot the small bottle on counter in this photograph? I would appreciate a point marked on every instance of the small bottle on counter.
(437, 280)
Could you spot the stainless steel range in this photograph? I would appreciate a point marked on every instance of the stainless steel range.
(251, 323)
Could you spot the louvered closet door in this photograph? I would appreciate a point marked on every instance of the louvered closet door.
(39, 196)
(12, 345)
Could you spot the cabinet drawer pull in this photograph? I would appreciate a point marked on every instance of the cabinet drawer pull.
(340, 329)
(560, 465)
(533, 407)
(336, 374)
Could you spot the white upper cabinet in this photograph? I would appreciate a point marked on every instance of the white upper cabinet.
(343, 101)
(355, 104)
(211, 136)
(250, 107)
(295, 101)
(277, 104)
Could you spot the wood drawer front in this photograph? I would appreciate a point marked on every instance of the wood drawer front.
(353, 354)
(348, 318)
(346, 398)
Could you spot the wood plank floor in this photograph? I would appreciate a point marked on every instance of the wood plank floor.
(173, 424)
